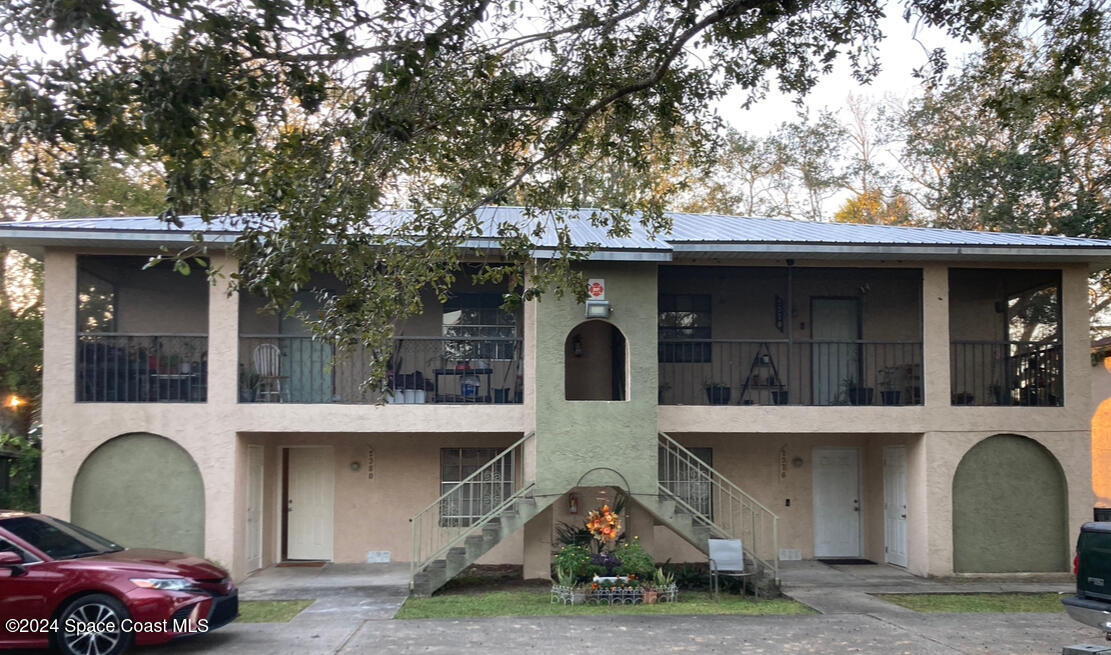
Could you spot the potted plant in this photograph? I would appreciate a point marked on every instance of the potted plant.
(856, 394)
(718, 393)
(889, 379)
(963, 398)
(780, 397)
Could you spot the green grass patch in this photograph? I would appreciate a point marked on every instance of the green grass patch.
(270, 611)
(1048, 603)
(538, 603)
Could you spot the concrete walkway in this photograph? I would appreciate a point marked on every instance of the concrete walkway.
(355, 603)
(849, 588)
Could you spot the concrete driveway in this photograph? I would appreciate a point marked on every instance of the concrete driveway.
(355, 604)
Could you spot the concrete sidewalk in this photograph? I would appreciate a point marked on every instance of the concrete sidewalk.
(355, 603)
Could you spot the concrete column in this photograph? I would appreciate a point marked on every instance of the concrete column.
(935, 335)
(538, 546)
(223, 335)
(918, 505)
(58, 379)
(219, 454)
(1075, 319)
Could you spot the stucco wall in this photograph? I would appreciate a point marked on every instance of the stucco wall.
(574, 437)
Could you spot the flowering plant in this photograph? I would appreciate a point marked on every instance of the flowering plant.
(604, 525)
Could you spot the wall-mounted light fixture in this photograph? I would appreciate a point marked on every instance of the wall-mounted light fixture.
(577, 346)
(355, 466)
(598, 309)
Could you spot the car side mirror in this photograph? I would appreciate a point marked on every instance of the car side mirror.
(13, 561)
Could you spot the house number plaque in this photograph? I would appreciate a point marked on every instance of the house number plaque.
(370, 463)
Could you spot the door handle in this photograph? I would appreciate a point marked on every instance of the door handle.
(902, 516)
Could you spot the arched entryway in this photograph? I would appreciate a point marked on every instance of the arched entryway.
(594, 356)
(143, 491)
(1010, 508)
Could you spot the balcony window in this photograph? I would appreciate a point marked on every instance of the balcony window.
(684, 319)
(1005, 331)
(483, 329)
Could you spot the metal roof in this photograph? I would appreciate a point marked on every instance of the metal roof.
(692, 236)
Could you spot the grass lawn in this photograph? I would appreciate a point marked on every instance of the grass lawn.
(536, 602)
(976, 603)
(270, 611)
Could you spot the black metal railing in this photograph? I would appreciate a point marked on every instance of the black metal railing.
(778, 372)
(141, 368)
(303, 369)
(1006, 373)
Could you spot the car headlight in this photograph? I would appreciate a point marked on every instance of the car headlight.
(165, 584)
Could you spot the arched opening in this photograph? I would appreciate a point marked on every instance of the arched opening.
(595, 363)
(1010, 508)
(143, 491)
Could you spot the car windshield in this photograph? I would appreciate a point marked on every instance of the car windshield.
(58, 539)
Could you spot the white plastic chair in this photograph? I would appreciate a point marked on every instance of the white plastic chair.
(727, 557)
(267, 359)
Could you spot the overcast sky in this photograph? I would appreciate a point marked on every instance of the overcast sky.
(899, 55)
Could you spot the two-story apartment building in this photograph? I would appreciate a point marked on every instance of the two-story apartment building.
(912, 396)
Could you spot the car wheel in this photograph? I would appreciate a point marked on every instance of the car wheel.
(93, 625)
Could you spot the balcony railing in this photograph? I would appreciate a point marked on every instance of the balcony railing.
(1006, 373)
(754, 372)
(303, 369)
(141, 368)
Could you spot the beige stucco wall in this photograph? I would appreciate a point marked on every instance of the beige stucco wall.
(571, 435)
(370, 514)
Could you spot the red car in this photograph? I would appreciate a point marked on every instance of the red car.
(63, 586)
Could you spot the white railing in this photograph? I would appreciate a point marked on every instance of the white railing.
(715, 502)
(468, 506)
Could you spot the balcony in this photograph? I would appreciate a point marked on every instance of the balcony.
(141, 368)
(811, 373)
(421, 370)
(1007, 373)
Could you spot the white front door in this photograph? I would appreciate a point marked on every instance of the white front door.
(836, 502)
(835, 353)
(309, 503)
(254, 507)
(895, 504)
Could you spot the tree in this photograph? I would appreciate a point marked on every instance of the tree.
(1020, 140)
(320, 113)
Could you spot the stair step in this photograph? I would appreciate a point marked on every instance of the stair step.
(457, 557)
(666, 507)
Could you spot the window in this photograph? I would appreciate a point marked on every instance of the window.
(691, 484)
(683, 319)
(478, 497)
(476, 327)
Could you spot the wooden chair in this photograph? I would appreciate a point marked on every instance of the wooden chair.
(267, 359)
(727, 557)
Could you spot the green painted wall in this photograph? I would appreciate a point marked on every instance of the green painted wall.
(1010, 508)
(143, 491)
(574, 437)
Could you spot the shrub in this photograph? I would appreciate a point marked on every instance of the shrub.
(635, 561)
(575, 560)
(606, 564)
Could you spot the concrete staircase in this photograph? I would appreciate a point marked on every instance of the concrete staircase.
(697, 531)
(477, 544)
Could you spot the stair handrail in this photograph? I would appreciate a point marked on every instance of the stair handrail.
(417, 562)
(714, 477)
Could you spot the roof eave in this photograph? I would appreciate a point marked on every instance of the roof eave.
(1097, 257)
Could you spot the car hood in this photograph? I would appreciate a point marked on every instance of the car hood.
(159, 562)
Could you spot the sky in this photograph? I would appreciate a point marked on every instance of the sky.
(899, 54)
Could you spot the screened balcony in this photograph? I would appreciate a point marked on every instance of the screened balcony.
(466, 351)
(787, 336)
(1005, 330)
(142, 334)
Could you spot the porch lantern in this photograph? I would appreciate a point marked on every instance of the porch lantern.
(598, 309)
